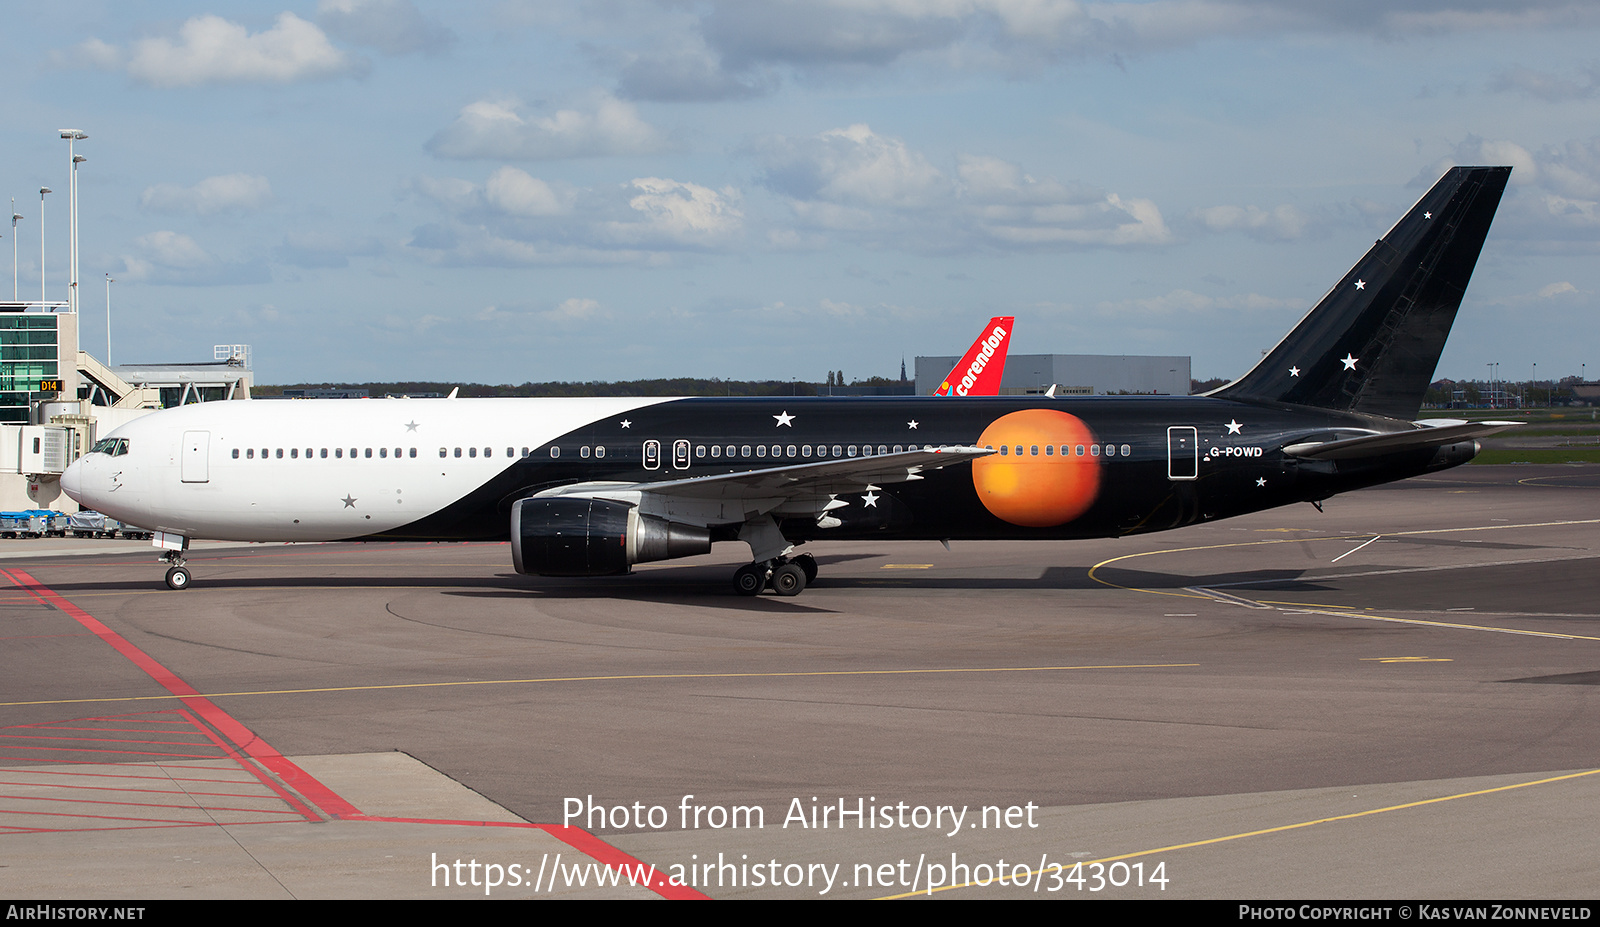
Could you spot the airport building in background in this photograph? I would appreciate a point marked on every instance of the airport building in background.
(1073, 374)
(56, 400)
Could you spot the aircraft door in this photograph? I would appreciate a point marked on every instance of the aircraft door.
(195, 454)
(652, 454)
(680, 455)
(1183, 453)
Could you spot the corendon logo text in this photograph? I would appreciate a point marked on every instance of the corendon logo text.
(990, 345)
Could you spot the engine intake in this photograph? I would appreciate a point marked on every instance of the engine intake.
(595, 537)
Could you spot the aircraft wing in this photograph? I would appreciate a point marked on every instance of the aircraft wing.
(819, 478)
(1394, 442)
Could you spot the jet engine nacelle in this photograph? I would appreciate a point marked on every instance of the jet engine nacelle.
(567, 536)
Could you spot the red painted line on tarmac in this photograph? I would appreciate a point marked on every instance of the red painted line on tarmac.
(277, 789)
(102, 730)
(325, 798)
(127, 788)
(297, 778)
(183, 806)
(146, 822)
(98, 740)
(22, 771)
(184, 756)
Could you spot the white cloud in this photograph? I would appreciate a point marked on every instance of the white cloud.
(575, 310)
(1551, 87)
(855, 166)
(684, 213)
(498, 129)
(517, 193)
(225, 193)
(1553, 290)
(314, 249)
(1283, 223)
(734, 44)
(476, 246)
(394, 27)
(174, 250)
(1012, 208)
(1553, 203)
(167, 257)
(517, 218)
(1189, 303)
(855, 181)
(211, 50)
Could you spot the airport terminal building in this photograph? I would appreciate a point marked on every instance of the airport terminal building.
(56, 400)
(1074, 374)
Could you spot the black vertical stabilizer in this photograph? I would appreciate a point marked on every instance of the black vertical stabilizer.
(1371, 344)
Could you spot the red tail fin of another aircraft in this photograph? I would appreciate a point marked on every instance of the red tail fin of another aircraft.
(978, 372)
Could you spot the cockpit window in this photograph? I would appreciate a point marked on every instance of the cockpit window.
(111, 447)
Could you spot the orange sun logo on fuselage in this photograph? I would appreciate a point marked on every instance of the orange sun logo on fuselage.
(1027, 486)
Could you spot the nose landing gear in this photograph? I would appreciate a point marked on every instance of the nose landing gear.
(178, 570)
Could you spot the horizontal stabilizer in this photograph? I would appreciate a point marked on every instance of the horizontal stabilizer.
(1395, 442)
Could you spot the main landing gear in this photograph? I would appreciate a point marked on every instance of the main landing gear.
(787, 576)
(178, 573)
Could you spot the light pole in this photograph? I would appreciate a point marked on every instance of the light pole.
(15, 217)
(109, 281)
(73, 160)
(42, 192)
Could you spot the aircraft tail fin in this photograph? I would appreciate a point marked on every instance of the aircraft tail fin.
(978, 372)
(1372, 343)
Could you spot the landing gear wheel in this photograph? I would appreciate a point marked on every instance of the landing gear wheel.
(750, 579)
(789, 579)
(809, 564)
(178, 578)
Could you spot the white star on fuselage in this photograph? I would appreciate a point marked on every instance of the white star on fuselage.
(1262, 481)
(869, 500)
(785, 419)
(1427, 215)
(626, 423)
(1233, 427)
(1349, 361)
(1294, 371)
(1361, 284)
(912, 424)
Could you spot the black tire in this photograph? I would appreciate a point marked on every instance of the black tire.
(178, 578)
(809, 564)
(789, 579)
(750, 579)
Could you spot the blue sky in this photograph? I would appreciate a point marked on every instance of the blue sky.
(506, 191)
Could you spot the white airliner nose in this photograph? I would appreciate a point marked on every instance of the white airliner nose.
(72, 481)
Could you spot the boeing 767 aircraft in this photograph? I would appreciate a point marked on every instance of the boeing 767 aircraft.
(590, 487)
